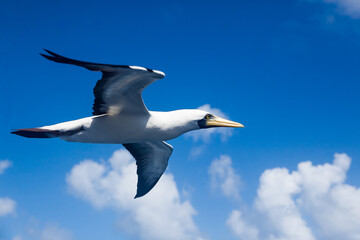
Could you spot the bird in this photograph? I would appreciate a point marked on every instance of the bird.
(120, 117)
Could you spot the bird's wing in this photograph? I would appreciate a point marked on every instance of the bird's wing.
(151, 160)
(119, 90)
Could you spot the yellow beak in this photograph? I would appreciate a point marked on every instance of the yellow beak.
(221, 122)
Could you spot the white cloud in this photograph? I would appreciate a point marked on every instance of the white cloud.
(49, 231)
(348, 7)
(196, 151)
(206, 134)
(54, 232)
(241, 228)
(4, 164)
(7, 206)
(160, 214)
(223, 176)
(275, 200)
(312, 202)
(17, 237)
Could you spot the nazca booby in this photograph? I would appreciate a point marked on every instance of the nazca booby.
(120, 116)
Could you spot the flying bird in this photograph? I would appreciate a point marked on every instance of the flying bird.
(121, 117)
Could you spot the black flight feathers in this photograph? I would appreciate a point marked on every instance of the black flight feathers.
(151, 159)
(110, 75)
(44, 133)
(91, 66)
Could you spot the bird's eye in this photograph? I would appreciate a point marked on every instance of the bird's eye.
(208, 116)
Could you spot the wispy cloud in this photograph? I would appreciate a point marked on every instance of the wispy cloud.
(54, 232)
(196, 151)
(48, 231)
(223, 177)
(4, 164)
(161, 214)
(17, 237)
(205, 135)
(7, 206)
(347, 7)
(311, 202)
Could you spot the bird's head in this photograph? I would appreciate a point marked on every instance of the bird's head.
(197, 119)
(178, 122)
(209, 120)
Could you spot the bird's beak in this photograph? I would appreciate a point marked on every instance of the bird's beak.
(221, 122)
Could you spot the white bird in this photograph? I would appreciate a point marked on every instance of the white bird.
(121, 117)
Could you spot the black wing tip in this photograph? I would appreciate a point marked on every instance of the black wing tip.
(51, 58)
(52, 53)
(48, 51)
(61, 59)
(142, 191)
(138, 195)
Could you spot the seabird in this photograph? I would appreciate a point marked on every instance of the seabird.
(120, 117)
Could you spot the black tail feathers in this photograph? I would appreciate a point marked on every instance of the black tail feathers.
(36, 133)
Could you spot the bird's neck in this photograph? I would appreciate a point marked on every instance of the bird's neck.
(173, 123)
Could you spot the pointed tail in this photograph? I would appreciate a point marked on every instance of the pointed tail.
(36, 133)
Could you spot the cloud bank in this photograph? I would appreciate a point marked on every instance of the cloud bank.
(161, 214)
(313, 202)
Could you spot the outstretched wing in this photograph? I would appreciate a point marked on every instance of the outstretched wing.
(119, 90)
(151, 160)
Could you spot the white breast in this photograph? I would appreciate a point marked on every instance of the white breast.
(134, 128)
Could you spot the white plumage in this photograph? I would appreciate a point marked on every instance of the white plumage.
(121, 117)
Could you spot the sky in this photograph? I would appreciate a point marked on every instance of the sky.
(287, 70)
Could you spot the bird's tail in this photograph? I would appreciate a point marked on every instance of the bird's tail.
(37, 133)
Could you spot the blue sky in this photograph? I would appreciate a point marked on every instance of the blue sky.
(287, 70)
